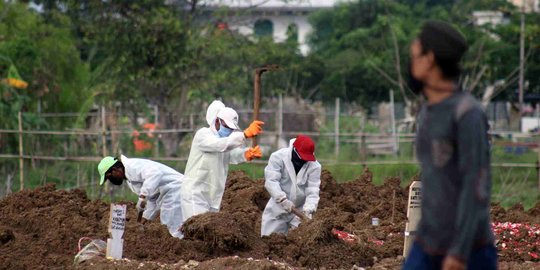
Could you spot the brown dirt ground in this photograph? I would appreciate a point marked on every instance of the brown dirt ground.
(39, 229)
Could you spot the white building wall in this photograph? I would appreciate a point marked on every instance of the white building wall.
(244, 25)
(488, 17)
(530, 5)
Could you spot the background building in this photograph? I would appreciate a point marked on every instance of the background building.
(283, 20)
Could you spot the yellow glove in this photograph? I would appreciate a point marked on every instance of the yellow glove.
(254, 152)
(254, 129)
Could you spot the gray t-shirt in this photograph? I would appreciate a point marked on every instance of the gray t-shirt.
(453, 149)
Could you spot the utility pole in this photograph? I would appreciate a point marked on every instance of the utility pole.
(521, 57)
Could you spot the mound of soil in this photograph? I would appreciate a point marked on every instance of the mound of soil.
(364, 200)
(516, 213)
(315, 246)
(225, 232)
(40, 229)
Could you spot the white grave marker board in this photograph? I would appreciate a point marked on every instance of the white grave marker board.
(413, 215)
(117, 224)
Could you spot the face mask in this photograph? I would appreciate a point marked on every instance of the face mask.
(296, 160)
(416, 85)
(115, 181)
(224, 132)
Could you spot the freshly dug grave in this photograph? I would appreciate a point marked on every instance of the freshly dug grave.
(39, 229)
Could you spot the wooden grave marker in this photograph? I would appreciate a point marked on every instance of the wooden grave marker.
(117, 225)
(413, 215)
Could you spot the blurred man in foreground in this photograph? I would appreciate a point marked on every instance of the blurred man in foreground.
(452, 146)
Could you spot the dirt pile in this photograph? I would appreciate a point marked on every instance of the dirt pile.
(40, 229)
(516, 213)
(360, 197)
(315, 246)
(225, 233)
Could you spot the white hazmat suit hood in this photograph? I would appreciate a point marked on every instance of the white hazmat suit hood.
(281, 181)
(208, 165)
(211, 113)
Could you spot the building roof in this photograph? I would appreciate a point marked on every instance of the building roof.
(271, 4)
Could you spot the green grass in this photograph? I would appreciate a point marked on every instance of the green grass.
(345, 173)
(510, 185)
(255, 171)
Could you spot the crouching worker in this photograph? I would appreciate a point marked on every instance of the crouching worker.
(158, 187)
(292, 177)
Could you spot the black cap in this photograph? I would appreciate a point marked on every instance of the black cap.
(443, 40)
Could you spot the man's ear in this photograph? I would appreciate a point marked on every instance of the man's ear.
(430, 58)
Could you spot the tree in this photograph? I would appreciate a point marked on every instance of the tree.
(363, 46)
(152, 53)
(45, 56)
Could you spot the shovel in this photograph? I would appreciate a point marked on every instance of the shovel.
(299, 214)
(257, 92)
(139, 216)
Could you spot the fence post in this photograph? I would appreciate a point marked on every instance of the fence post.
(336, 130)
(9, 183)
(156, 136)
(93, 184)
(279, 121)
(105, 186)
(363, 119)
(538, 146)
(363, 147)
(21, 158)
(78, 175)
(103, 133)
(393, 123)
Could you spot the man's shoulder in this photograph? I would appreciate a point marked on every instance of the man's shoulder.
(466, 103)
(142, 164)
(279, 155)
(203, 132)
(316, 164)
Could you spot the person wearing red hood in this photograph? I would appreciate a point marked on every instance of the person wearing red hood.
(293, 178)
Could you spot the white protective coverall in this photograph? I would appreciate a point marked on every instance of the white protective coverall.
(208, 165)
(282, 181)
(161, 185)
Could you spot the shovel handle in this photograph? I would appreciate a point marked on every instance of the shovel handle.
(257, 98)
(139, 216)
(299, 214)
(257, 93)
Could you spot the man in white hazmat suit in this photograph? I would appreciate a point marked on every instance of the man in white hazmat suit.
(212, 150)
(293, 178)
(158, 187)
